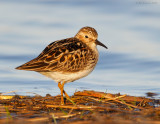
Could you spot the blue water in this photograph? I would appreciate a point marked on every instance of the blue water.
(130, 29)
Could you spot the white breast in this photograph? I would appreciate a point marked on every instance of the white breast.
(67, 77)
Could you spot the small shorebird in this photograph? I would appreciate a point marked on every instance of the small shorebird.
(69, 59)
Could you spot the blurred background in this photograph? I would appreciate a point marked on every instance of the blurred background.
(130, 29)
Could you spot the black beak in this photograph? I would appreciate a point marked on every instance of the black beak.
(101, 44)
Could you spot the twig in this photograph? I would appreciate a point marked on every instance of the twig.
(82, 107)
(122, 102)
(55, 117)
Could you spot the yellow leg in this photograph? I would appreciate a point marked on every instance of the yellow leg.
(61, 87)
(65, 91)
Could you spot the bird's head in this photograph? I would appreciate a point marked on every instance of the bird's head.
(89, 36)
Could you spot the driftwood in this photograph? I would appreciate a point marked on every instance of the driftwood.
(110, 96)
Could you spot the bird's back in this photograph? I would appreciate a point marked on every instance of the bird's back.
(67, 55)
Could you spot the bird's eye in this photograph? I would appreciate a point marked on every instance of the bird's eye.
(86, 36)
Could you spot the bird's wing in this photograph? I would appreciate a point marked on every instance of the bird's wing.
(64, 55)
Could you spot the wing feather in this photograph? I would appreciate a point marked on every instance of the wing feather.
(66, 55)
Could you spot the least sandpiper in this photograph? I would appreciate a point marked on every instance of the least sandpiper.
(69, 59)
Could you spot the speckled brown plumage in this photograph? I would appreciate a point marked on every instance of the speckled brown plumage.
(69, 55)
(69, 59)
